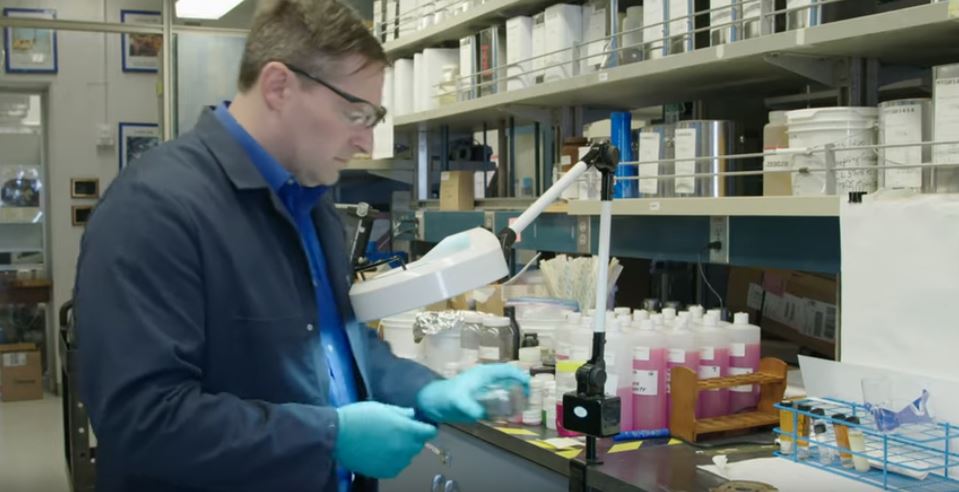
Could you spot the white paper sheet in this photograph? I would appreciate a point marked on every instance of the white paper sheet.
(402, 87)
(685, 140)
(899, 283)
(564, 29)
(788, 476)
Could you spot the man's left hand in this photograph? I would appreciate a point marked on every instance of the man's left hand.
(454, 400)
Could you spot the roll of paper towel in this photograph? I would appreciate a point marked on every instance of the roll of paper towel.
(402, 86)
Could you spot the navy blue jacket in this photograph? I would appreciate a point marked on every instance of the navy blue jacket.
(197, 329)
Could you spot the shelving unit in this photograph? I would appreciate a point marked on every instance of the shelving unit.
(774, 206)
(765, 65)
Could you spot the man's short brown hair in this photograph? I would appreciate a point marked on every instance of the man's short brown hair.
(310, 34)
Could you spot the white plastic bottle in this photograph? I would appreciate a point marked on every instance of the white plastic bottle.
(669, 316)
(658, 322)
(640, 315)
(713, 363)
(682, 350)
(618, 355)
(649, 379)
(620, 311)
(743, 359)
(581, 341)
(564, 335)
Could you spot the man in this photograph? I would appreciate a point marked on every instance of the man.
(217, 348)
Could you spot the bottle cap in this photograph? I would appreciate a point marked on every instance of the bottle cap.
(818, 411)
(623, 310)
(804, 408)
(787, 404)
(496, 321)
(820, 428)
(741, 319)
(697, 311)
(840, 417)
(853, 420)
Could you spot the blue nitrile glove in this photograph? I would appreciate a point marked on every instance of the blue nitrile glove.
(378, 440)
(454, 400)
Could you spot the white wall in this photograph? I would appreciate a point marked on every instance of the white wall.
(90, 89)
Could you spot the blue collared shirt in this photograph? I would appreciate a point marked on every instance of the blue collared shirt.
(299, 202)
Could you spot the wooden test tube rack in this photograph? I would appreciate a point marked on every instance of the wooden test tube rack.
(685, 387)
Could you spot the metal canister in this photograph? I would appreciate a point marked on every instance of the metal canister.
(655, 142)
(702, 138)
(905, 121)
(946, 129)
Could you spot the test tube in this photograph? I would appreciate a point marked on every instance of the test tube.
(803, 425)
(857, 444)
(842, 439)
(825, 452)
(786, 426)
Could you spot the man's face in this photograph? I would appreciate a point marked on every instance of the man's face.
(321, 137)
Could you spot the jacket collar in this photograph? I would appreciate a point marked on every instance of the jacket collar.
(229, 153)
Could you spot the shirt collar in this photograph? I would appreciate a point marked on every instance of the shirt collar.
(273, 172)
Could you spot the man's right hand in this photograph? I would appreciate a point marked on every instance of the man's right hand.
(378, 440)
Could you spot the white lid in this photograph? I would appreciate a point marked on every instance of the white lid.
(777, 116)
(623, 310)
(697, 311)
(657, 319)
(496, 321)
(640, 314)
(669, 313)
(646, 324)
(472, 316)
(741, 318)
(711, 320)
(575, 317)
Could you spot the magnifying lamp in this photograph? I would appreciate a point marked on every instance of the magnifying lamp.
(474, 258)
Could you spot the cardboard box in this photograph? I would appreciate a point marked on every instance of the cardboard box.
(744, 292)
(21, 372)
(456, 190)
(801, 307)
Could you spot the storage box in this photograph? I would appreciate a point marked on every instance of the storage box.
(456, 190)
(21, 372)
(744, 292)
(801, 307)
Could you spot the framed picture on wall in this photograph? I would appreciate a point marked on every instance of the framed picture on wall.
(28, 50)
(141, 52)
(136, 139)
(81, 214)
(84, 188)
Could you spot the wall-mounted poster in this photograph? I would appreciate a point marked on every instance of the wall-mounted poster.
(28, 50)
(141, 52)
(136, 139)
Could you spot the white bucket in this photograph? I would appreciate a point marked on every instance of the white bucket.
(398, 332)
(815, 128)
(442, 349)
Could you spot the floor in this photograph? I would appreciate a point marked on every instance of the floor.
(31, 447)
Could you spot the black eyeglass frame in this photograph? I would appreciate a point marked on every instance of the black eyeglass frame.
(378, 111)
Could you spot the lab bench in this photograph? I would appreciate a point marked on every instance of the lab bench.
(484, 458)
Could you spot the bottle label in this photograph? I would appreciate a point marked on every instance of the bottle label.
(741, 371)
(738, 350)
(489, 353)
(707, 372)
(708, 353)
(645, 383)
(677, 356)
(641, 354)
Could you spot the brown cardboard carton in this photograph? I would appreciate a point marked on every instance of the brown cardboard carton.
(457, 190)
(744, 291)
(21, 372)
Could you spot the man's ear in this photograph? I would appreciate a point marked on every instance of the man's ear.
(274, 84)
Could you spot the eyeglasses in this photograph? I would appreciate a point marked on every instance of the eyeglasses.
(370, 114)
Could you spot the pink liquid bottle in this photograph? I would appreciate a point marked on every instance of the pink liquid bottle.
(682, 349)
(743, 359)
(713, 363)
(619, 369)
(649, 379)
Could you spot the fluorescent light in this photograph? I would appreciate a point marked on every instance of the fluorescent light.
(204, 9)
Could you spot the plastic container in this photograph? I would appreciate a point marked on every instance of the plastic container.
(442, 349)
(946, 126)
(618, 355)
(857, 444)
(842, 127)
(470, 335)
(640, 315)
(744, 350)
(727, 16)
(655, 143)
(398, 332)
(563, 336)
(713, 363)
(776, 137)
(649, 379)
(581, 343)
(786, 425)
(682, 350)
(905, 121)
(496, 340)
(565, 383)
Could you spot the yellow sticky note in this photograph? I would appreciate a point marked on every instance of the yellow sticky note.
(625, 446)
(673, 442)
(572, 453)
(516, 432)
(541, 444)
